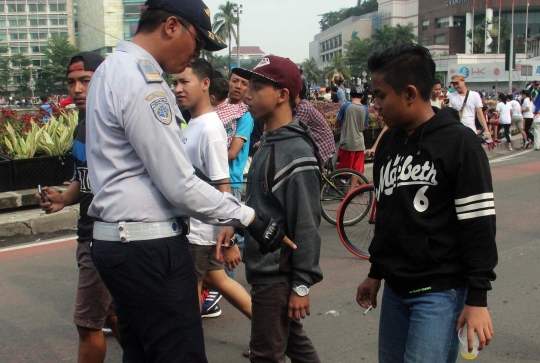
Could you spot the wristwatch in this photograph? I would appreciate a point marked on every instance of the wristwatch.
(232, 242)
(301, 290)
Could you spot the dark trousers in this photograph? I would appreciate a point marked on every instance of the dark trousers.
(528, 125)
(154, 287)
(273, 334)
(506, 128)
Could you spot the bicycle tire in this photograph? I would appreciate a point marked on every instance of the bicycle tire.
(357, 238)
(336, 186)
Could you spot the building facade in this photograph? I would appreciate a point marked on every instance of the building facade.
(443, 24)
(27, 25)
(332, 41)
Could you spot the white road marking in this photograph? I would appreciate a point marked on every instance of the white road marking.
(35, 244)
(510, 156)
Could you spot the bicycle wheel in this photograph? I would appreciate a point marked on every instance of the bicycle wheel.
(336, 186)
(357, 238)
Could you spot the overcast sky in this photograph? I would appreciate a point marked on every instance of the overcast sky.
(281, 27)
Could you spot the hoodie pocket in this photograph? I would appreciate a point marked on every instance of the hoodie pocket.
(415, 250)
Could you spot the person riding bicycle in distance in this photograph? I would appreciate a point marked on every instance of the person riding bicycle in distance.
(434, 242)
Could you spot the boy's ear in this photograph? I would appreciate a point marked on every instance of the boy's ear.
(206, 83)
(283, 95)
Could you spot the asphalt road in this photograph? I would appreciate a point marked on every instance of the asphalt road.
(37, 290)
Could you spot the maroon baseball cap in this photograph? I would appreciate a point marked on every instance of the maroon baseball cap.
(277, 69)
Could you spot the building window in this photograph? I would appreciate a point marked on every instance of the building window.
(2, 8)
(425, 25)
(440, 39)
(36, 8)
(17, 22)
(57, 7)
(2, 37)
(34, 36)
(58, 21)
(15, 8)
(425, 41)
(13, 36)
(14, 50)
(2, 22)
(35, 49)
(23, 36)
(442, 22)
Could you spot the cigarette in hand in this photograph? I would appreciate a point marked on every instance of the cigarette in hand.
(368, 309)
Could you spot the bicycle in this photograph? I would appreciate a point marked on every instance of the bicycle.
(336, 185)
(356, 237)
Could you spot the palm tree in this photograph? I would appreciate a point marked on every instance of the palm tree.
(404, 34)
(224, 23)
(383, 37)
(338, 65)
(311, 71)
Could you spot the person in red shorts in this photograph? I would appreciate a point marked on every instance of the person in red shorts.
(353, 120)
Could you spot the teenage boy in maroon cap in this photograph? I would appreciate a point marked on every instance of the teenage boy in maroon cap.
(284, 180)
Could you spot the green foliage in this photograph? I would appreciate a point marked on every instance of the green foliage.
(218, 62)
(5, 71)
(249, 63)
(21, 65)
(333, 17)
(53, 75)
(480, 35)
(224, 25)
(387, 36)
(358, 53)
(311, 71)
(339, 66)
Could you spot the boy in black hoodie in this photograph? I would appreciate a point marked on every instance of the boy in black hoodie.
(434, 242)
(284, 180)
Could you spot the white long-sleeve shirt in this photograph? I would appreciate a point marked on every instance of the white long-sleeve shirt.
(138, 167)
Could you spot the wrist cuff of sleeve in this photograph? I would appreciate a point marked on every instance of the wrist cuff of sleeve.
(374, 273)
(476, 297)
(246, 215)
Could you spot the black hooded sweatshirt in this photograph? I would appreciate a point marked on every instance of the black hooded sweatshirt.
(435, 221)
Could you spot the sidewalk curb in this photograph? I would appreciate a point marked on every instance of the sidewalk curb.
(42, 223)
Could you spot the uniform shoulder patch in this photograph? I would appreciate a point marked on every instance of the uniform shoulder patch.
(150, 73)
(160, 106)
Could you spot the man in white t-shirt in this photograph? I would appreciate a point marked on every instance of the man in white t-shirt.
(205, 142)
(469, 104)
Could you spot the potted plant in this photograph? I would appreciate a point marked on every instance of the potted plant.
(39, 151)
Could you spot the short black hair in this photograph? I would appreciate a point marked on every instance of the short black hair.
(436, 82)
(510, 97)
(217, 74)
(151, 20)
(334, 89)
(526, 92)
(219, 88)
(44, 98)
(503, 97)
(403, 65)
(202, 69)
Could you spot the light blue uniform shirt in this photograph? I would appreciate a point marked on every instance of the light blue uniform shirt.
(139, 170)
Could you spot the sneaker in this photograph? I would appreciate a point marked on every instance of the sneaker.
(525, 145)
(211, 299)
(106, 330)
(213, 312)
(510, 148)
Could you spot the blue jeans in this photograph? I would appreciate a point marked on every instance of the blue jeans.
(420, 329)
(237, 193)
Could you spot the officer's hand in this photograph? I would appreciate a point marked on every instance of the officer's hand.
(55, 201)
(223, 238)
(268, 234)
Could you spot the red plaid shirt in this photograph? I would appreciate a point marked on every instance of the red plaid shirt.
(229, 115)
(320, 130)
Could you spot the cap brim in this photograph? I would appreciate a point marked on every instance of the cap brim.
(213, 42)
(247, 74)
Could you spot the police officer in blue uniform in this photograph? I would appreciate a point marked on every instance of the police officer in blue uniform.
(145, 188)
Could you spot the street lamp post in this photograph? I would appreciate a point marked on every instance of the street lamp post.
(238, 11)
